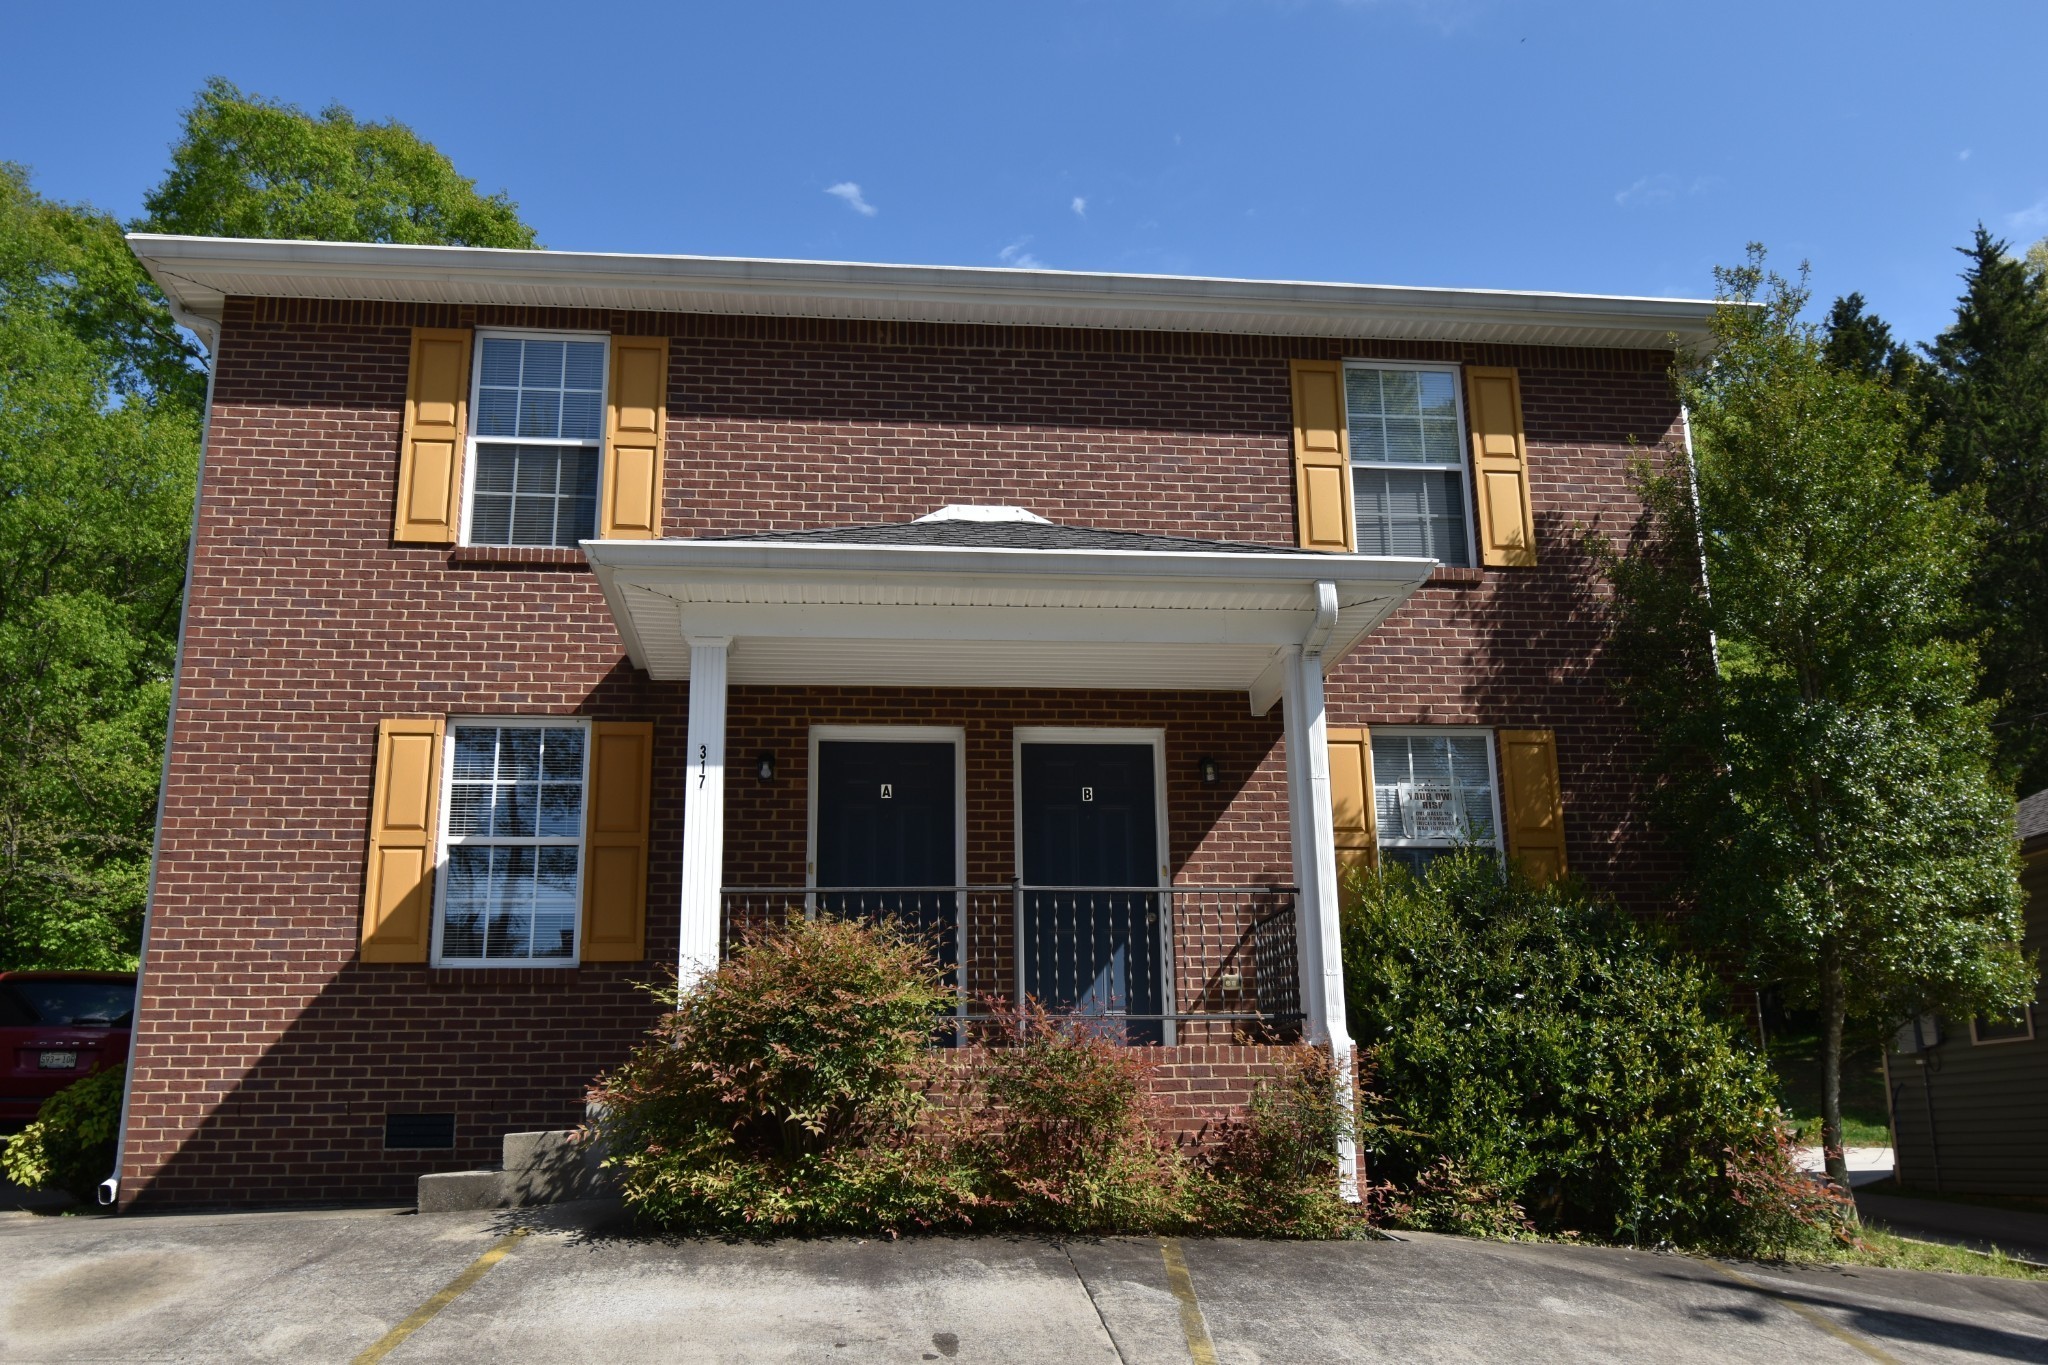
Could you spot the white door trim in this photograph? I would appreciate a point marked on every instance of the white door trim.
(955, 735)
(1096, 734)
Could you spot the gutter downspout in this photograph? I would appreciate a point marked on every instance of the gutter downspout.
(110, 1188)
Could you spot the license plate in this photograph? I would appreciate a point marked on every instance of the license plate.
(58, 1061)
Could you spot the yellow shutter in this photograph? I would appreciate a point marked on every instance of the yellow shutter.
(398, 885)
(615, 841)
(635, 423)
(1351, 804)
(1500, 466)
(436, 423)
(1322, 457)
(1534, 802)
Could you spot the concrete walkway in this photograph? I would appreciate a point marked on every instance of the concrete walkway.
(342, 1286)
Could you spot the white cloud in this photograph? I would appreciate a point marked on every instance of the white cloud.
(1080, 207)
(1963, 155)
(850, 192)
(1015, 255)
(1662, 189)
(2028, 219)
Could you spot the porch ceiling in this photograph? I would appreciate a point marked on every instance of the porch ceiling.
(927, 616)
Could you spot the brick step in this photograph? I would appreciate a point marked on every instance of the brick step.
(538, 1168)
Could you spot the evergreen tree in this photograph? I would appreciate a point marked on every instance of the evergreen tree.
(1985, 392)
(1861, 343)
(1826, 768)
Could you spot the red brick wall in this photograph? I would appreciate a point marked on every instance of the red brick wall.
(266, 1056)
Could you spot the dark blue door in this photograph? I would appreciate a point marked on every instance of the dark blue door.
(1090, 821)
(886, 826)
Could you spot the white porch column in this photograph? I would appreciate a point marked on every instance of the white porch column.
(1315, 872)
(703, 811)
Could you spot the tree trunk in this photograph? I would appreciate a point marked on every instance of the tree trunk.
(1831, 1015)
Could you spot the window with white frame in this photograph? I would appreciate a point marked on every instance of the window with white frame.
(1433, 793)
(512, 856)
(536, 438)
(1408, 461)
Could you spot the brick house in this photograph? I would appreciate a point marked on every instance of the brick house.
(554, 616)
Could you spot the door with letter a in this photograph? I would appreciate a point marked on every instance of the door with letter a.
(1093, 930)
(886, 837)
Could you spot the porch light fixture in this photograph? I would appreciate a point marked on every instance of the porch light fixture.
(1209, 772)
(764, 766)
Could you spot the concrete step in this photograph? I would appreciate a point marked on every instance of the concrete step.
(461, 1191)
(539, 1168)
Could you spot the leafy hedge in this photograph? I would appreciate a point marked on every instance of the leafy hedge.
(70, 1145)
(1546, 1061)
(796, 1090)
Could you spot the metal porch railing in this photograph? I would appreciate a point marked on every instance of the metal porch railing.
(1155, 964)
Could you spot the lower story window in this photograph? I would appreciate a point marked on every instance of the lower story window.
(1433, 793)
(512, 871)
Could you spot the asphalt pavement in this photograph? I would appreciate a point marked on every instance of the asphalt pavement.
(569, 1285)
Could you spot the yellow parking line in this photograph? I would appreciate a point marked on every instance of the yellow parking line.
(1200, 1348)
(450, 1292)
(1820, 1320)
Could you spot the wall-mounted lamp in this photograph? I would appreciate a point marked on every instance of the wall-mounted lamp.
(1210, 773)
(764, 766)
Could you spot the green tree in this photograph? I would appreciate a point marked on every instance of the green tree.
(70, 263)
(253, 167)
(1861, 343)
(95, 495)
(1818, 752)
(100, 405)
(1985, 390)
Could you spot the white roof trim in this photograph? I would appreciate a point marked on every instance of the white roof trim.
(915, 615)
(201, 273)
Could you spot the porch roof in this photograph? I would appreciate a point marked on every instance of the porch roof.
(959, 603)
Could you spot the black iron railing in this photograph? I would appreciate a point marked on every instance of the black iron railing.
(1155, 964)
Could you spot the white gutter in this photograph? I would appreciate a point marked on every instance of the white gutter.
(110, 1188)
(200, 273)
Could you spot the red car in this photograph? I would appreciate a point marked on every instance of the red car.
(55, 1028)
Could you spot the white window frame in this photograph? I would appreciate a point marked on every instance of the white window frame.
(1091, 734)
(1489, 734)
(1464, 461)
(2027, 1037)
(472, 440)
(442, 842)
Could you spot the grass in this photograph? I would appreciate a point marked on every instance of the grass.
(1906, 1253)
(1795, 1057)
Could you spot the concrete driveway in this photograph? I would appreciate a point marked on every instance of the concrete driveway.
(358, 1285)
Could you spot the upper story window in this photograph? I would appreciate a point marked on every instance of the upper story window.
(1433, 792)
(1408, 461)
(512, 870)
(536, 440)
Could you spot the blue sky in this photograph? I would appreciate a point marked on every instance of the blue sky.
(1596, 147)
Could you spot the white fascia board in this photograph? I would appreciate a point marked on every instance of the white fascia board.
(200, 272)
(826, 560)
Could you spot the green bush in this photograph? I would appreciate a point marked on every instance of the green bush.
(1546, 1061)
(785, 1092)
(70, 1145)
(795, 1090)
(1273, 1173)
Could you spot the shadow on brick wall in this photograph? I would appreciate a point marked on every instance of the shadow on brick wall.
(1543, 662)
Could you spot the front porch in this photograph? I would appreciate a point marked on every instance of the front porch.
(1098, 909)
